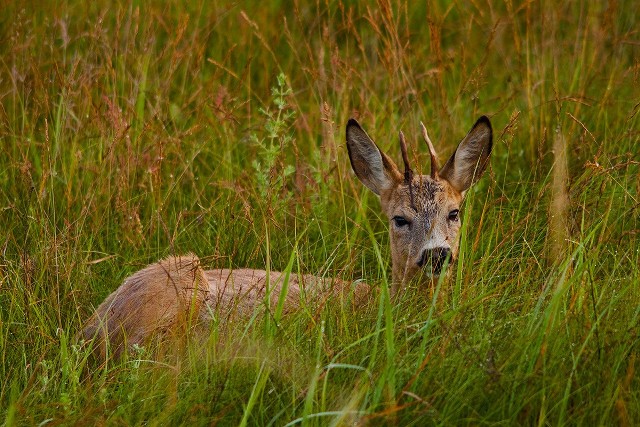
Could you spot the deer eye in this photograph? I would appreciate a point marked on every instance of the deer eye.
(400, 221)
(453, 215)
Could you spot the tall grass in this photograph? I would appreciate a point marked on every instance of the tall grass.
(133, 131)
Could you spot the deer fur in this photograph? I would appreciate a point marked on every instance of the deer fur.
(168, 297)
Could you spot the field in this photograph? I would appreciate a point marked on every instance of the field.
(129, 132)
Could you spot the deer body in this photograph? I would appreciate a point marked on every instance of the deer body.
(165, 297)
(423, 211)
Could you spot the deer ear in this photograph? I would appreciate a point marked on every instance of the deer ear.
(374, 168)
(471, 158)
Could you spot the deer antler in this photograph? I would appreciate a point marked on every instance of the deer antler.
(432, 152)
(408, 173)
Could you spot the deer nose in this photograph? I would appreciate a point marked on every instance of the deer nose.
(437, 256)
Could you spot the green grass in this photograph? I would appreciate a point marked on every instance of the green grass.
(130, 132)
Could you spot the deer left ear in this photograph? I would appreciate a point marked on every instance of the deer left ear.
(372, 166)
(469, 161)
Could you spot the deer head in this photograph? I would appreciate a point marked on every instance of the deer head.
(423, 210)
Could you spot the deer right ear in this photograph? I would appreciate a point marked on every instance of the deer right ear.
(471, 157)
(374, 168)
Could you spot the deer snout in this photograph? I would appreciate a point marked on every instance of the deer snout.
(437, 256)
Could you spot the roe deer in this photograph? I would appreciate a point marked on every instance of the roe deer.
(423, 211)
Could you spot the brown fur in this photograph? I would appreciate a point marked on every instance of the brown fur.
(165, 299)
(154, 300)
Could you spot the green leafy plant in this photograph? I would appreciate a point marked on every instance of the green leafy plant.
(270, 168)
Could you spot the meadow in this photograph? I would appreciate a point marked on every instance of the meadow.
(130, 131)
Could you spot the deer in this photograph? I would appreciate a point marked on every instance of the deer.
(423, 211)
